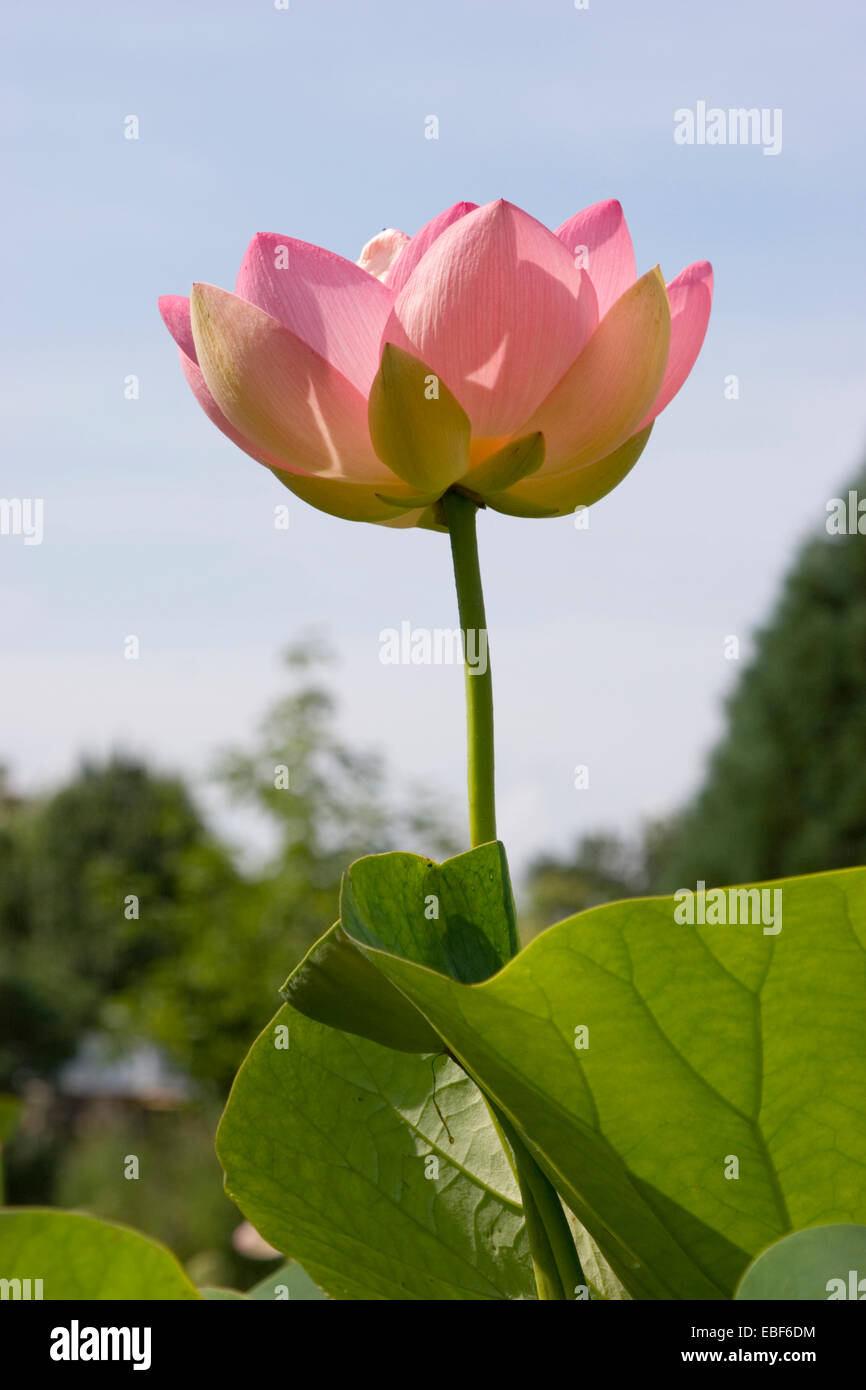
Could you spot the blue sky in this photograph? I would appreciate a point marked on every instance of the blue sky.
(608, 645)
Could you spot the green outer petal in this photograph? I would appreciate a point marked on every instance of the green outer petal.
(351, 501)
(426, 520)
(538, 497)
(422, 439)
(508, 465)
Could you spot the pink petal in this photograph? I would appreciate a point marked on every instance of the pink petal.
(601, 236)
(421, 242)
(599, 402)
(330, 303)
(350, 500)
(296, 409)
(175, 315)
(691, 297)
(199, 387)
(497, 309)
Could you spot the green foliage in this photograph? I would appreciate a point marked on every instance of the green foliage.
(602, 869)
(396, 897)
(10, 1109)
(713, 1104)
(337, 985)
(71, 937)
(327, 1145)
(78, 1257)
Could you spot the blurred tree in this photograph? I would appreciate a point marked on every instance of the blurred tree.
(91, 881)
(785, 792)
(602, 868)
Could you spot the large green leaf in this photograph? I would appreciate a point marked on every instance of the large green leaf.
(327, 1144)
(719, 1103)
(79, 1257)
(823, 1262)
(457, 917)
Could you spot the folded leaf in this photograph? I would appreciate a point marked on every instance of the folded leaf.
(457, 917)
(336, 984)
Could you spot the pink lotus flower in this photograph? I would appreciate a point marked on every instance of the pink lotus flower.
(488, 354)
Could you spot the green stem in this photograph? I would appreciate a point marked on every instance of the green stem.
(460, 515)
(555, 1261)
(554, 1257)
(547, 1280)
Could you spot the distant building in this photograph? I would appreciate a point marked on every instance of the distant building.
(141, 1076)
